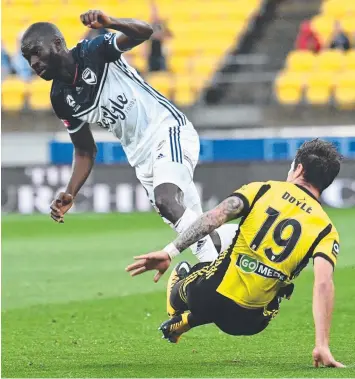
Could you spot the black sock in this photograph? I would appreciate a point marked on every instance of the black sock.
(175, 299)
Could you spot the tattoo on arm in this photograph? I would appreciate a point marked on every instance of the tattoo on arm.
(227, 210)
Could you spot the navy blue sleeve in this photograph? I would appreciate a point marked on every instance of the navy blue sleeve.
(105, 47)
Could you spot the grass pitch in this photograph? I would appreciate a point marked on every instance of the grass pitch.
(70, 310)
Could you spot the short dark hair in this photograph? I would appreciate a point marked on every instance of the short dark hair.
(321, 163)
(43, 29)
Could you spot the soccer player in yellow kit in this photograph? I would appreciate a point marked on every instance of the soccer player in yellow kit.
(282, 227)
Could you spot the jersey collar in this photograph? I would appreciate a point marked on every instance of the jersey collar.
(304, 189)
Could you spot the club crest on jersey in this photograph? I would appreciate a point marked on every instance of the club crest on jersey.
(71, 101)
(89, 77)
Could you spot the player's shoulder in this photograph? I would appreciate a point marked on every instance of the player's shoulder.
(93, 49)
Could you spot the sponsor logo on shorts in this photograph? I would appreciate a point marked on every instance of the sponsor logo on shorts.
(251, 265)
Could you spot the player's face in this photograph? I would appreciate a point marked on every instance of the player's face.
(40, 56)
(291, 171)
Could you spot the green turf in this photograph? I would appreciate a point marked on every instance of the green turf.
(70, 310)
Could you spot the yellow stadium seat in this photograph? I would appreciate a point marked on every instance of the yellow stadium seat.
(329, 60)
(162, 82)
(334, 8)
(288, 87)
(319, 87)
(184, 90)
(13, 94)
(300, 61)
(180, 64)
(39, 97)
(350, 8)
(349, 60)
(348, 24)
(323, 26)
(344, 93)
(205, 65)
(137, 61)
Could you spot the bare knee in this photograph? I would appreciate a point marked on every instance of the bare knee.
(169, 200)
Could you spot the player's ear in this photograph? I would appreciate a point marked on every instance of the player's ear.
(299, 171)
(57, 45)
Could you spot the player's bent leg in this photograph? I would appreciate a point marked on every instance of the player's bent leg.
(174, 304)
(169, 200)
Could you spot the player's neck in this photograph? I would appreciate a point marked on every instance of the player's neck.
(68, 68)
(301, 182)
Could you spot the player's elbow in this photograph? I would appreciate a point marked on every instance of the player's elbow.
(148, 30)
(324, 285)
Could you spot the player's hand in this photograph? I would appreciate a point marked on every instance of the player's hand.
(61, 205)
(323, 356)
(95, 19)
(158, 260)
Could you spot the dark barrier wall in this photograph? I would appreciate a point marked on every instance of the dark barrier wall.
(115, 188)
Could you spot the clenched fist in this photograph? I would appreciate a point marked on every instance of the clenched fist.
(95, 19)
(61, 205)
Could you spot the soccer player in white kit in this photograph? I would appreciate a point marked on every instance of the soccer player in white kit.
(92, 83)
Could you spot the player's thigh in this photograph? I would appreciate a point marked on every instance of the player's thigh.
(175, 157)
(238, 321)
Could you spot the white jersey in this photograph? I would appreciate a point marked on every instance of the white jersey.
(110, 93)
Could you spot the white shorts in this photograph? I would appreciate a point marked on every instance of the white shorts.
(173, 158)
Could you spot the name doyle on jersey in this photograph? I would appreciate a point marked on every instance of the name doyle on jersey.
(299, 203)
(116, 109)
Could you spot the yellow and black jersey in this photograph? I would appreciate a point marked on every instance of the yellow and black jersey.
(283, 226)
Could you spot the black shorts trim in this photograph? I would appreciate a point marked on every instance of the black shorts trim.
(325, 257)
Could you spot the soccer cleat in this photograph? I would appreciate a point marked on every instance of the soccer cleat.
(175, 327)
(180, 271)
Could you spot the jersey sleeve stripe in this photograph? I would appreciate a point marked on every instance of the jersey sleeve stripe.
(309, 253)
(76, 129)
(325, 257)
(245, 201)
(115, 44)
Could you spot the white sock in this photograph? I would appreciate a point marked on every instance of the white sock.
(204, 249)
(226, 233)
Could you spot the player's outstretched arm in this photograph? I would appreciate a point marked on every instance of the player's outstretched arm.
(134, 31)
(227, 210)
(323, 300)
(83, 161)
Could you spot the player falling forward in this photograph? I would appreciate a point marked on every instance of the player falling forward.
(283, 226)
(92, 83)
